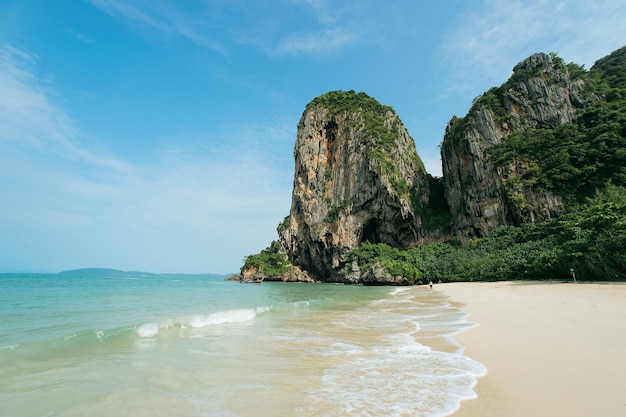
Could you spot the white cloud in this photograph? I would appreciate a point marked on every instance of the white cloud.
(325, 12)
(31, 120)
(26, 108)
(165, 17)
(497, 34)
(307, 27)
(125, 10)
(323, 42)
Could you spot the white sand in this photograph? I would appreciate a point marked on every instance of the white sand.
(551, 349)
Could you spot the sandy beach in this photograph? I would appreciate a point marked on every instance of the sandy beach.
(551, 349)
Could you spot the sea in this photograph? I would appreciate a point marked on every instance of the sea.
(104, 343)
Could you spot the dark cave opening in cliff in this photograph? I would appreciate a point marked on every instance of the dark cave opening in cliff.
(331, 135)
(331, 131)
(371, 232)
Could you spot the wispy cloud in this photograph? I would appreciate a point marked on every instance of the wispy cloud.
(27, 112)
(132, 13)
(31, 119)
(65, 205)
(80, 36)
(310, 27)
(164, 17)
(324, 42)
(325, 12)
(488, 42)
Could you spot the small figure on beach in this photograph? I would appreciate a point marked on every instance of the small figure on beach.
(431, 283)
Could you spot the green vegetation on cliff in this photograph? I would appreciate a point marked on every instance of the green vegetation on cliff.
(574, 159)
(590, 239)
(270, 262)
(373, 114)
(338, 102)
(379, 126)
(436, 214)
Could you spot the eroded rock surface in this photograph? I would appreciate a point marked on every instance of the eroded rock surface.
(540, 94)
(357, 178)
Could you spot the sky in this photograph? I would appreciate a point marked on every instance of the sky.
(158, 135)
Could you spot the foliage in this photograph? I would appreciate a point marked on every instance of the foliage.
(591, 239)
(597, 235)
(271, 262)
(338, 102)
(456, 129)
(374, 115)
(333, 213)
(394, 260)
(436, 214)
(573, 159)
(380, 131)
(493, 100)
(283, 226)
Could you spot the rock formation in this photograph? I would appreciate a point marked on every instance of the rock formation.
(540, 94)
(357, 178)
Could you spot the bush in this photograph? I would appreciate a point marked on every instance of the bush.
(591, 239)
(271, 262)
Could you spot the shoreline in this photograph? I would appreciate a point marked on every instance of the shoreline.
(550, 348)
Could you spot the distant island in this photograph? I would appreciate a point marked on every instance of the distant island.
(533, 186)
(116, 272)
(99, 271)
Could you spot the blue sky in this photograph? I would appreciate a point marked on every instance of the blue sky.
(158, 135)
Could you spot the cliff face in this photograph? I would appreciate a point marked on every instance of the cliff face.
(540, 94)
(357, 178)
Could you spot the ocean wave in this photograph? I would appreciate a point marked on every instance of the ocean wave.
(222, 317)
(96, 341)
(79, 344)
(147, 330)
(10, 347)
(399, 290)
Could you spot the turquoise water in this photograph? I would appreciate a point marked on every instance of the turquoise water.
(184, 345)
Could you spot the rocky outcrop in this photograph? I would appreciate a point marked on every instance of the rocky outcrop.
(291, 274)
(540, 94)
(357, 178)
(376, 274)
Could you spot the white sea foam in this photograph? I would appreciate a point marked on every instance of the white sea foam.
(341, 348)
(222, 317)
(416, 324)
(265, 309)
(398, 375)
(201, 321)
(10, 347)
(148, 330)
(375, 381)
(399, 290)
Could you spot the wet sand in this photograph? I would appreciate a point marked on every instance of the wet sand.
(551, 349)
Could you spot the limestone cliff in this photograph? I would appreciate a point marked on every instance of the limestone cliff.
(553, 133)
(540, 94)
(357, 178)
